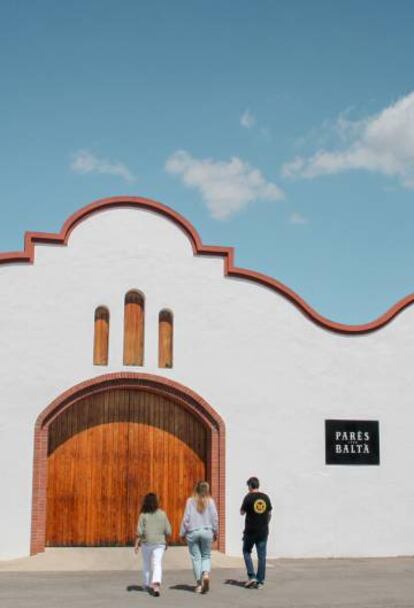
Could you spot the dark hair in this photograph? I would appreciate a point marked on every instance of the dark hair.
(253, 483)
(150, 503)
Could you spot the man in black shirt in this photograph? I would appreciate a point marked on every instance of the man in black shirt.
(257, 508)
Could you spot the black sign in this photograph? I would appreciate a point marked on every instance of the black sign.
(352, 442)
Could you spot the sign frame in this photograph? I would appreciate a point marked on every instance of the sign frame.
(352, 442)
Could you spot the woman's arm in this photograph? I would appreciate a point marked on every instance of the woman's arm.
(186, 520)
(137, 543)
(139, 533)
(213, 516)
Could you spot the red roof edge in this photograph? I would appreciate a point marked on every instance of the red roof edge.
(227, 253)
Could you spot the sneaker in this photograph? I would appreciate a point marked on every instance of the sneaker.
(205, 583)
(198, 588)
(156, 590)
(251, 583)
(259, 585)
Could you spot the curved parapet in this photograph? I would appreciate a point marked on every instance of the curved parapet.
(227, 253)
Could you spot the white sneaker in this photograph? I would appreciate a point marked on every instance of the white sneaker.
(156, 590)
(251, 583)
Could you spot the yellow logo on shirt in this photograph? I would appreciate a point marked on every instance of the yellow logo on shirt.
(259, 506)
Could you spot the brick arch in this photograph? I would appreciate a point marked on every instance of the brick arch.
(170, 389)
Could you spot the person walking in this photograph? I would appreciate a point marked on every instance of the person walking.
(199, 527)
(257, 508)
(153, 530)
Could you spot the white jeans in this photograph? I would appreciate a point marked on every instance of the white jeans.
(151, 563)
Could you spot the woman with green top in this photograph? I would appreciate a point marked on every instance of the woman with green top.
(153, 528)
(199, 527)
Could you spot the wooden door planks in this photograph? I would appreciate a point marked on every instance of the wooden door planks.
(134, 329)
(101, 336)
(165, 339)
(106, 452)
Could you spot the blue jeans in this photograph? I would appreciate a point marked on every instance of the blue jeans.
(248, 543)
(199, 545)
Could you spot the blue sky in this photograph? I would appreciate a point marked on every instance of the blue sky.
(285, 129)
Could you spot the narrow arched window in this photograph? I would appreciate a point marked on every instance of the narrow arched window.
(101, 336)
(134, 329)
(165, 339)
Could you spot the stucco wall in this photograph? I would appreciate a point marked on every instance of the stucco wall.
(270, 373)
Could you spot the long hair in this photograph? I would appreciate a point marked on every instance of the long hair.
(201, 495)
(150, 503)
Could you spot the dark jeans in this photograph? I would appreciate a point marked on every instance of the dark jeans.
(248, 543)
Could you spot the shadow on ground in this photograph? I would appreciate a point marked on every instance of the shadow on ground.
(182, 587)
(234, 582)
(135, 588)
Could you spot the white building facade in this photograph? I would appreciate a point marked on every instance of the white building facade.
(256, 371)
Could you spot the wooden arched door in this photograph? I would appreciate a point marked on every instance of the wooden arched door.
(109, 449)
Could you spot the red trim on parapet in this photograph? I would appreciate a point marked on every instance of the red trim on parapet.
(33, 238)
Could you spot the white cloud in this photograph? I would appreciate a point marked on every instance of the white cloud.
(226, 187)
(85, 162)
(382, 143)
(247, 119)
(297, 218)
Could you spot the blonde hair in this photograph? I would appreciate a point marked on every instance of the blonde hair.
(201, 495)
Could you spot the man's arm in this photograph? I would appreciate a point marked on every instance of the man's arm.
(270, 509)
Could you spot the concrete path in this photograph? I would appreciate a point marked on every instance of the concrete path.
(335, 583)
(105, 558)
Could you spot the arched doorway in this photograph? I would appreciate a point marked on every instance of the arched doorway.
(103, 444)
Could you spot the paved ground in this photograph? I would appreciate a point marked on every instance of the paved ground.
(365, 583)
(106, 558)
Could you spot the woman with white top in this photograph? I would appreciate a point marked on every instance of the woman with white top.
(153, 528)
(199, 527)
